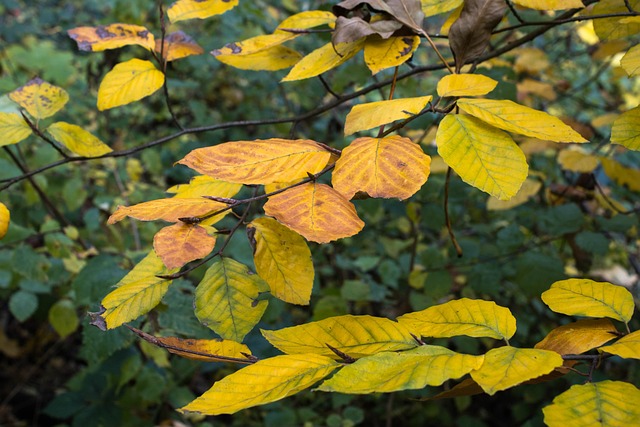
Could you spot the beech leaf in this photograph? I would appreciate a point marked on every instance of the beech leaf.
(626, 129)
(380, 53)
(324, 59)
(181, 243)
(13, 129)
(578, 337)
(113, 36)
(374, 114)
(627, 347)
(78, 140)
(178, 45)
(39, 98)
(201, 9)
(305, 20)
(128, 82)
(170, 210)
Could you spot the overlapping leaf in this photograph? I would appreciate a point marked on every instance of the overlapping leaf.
(621, 174)
(373, 114)
(380, 53)
(390, 167)
(272, 59)
(626, 129)
(283, 259)
(355, 28)
(614, 28)
(474, 318)
(39, 98)
(550, 4)
(201, 9)
(13, 129)
(316, 211)
(180, 243)
(627, 347)
(254, 44)
(78, 140)
(584, 297)
(305, 20)
(113, 36)
(356, 336)
(203, 185)
(178, 45)
(170, 210)
(578, 337)
(128, 82)
(577, 161)
(436, 7)
(413, 369)
(465, 85)
(324, 59)
(631, 61)
(266, 381)
(226, 299)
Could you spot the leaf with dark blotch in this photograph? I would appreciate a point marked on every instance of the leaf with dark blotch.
(470, 34)
(351, 29)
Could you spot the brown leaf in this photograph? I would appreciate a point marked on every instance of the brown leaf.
(351, 29)
(178, 45)
(113, 36)
(181, 243)
(408, 12)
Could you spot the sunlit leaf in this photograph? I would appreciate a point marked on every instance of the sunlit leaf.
(465, 85)
(128, 82)
(356, 336)
(627, 347)
(373, 114)
(601, 404)
(13, 129)
(578, 337)
(254, 44)
(226, 299)
(550, 4)
(622, 175)
(631, 61)
(323, 59)
(577, 161)
(626, 129)
(380, 53)
(413, 369)
(203, 185)
(5, 219)
(391, 167)
(178, 45)
(113, 36)
(613, 28)
(170, 210)
(40, 98)
(512, 117)
(201, 9)
(530, 187)
(180, 243)
(266, 381)
(316, 211)
(436, 7)
(584, 297)
(78, 140)
(272, 59)
(484, 157)
(305, 20)
(506, 367)
(474, 318)
(283, 259)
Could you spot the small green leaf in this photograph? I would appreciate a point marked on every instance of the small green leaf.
(23, 304)
(63, 318)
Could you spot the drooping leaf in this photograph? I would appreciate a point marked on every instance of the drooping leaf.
(316, 211)
(78, 140)
(226, 299)
(40, 98)
(203, 185)
(584, 297)
(356, 336)
(181, 243)
(13, 129)
(5, 219)
(266, 381)
(271, 59)
(128, 82)
(631, 61)
(323, 59)
(355, 28)
(512, 117)
(409, 12)
(614, 27)
(390, 167)
(577, 161)
(436, 7)
(627, 347)
(506, 367)
(465, 85)
(178, 45)
(113, 36)
(413, 369)
(474, 318)
(373, 114)
(482, 155)
(578, 337)
(530, 188)
(283, 259)
(550, 4)
(626, 129)
(170, 210)
(621, 174)
(201, 9)
(306, 20)
(380, 53)
(260, 161)
(601, 404)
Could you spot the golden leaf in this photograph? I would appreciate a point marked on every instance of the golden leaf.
(622, 175)
(577, 161)
(627, 347)
(436, 7)
(271, 59)
(373, 114)
(203, 185)
(78, 140)
(13, 129)
(113, 36)
(550, 4)
(324, 59)
(178, 45)
(180, 243)
(128, 82)
(305, 20)
(465, 85)
(626, 129)
(578, 337)
(631, 61)
(170, 210)
(543, 90)
(40, 98)
(5, 219)
(201, 9)
(254, 44)
(382, 53)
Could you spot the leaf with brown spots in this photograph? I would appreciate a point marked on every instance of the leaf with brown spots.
(181, 243)
(113, 36)
(380, 53)
(40, 98)
(178, 45)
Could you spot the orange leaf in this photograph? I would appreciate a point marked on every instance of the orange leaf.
(316, 211)
(579, 337)
(170, 210)
(103, 37)
(178, 45)
(382, 167)
(180, 243)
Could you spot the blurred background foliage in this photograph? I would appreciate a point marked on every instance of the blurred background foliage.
(59, 258)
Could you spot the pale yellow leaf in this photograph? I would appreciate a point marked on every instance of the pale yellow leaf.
(626, 129)
(387, 372)
(631, 61)
(40, 98)
(622, 175)
(577, 161)
(578, 337)
(550, 4)
(512, 117)
(203, 185)
(324, 59)
(265, 381)
(613, 28)
(5, 219)
(180, 243)
(128, 82)
(113, 36)
(601, 404)
(530, 188)
(465, 85)
(271, 59)
(283, 259)
(506, 367)
(305, 20)
(584, 297)
(483, 156)
(170, 210)
(13, 129)
(627, 347)
(254, 44)
(382, 53)
(201, 9)
(78, 140)
(436, 7)
(390, 167)
(178, 45)
(541, 89)
(356, 336)
(373, 114)
(474, 318)
(610, 48)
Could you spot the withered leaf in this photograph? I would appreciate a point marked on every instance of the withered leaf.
(407, 12)
(351, 29)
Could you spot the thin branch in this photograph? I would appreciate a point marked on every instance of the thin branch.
(560, 21)
(447, 217)
(391, 92)
(44, 137)
(514, 11)
(163, 63)
(328, 88)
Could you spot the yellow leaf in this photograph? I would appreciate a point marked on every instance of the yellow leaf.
(613, 28)
(382, 53)
(180, 243)
(578, 337)
(356, 336)
(305, 20)
(607, 49)
(316, 211)
(550, 4)
(391, 167)
(531, 60)
(5, 219)
(254, 44)
(506, 367)
(512, 117)
(266, 381)
(414, 369)
(271, 59)
(13, 129)
(483, 156)
(373, 114)
(577, 161)
(622, 175)
(78, 140)
(631, 61)
(584, 297)
(40, 98)
(178, 45)
(226, 299)
(283, 259)
(128, 82)
(627, 347)
(113, 36)
(453, 17)
(203, 185)
(626, 129)
(324, 59)
(170, 210)
(436, 7)
(201, 9)
(530, 188)
(543, 90)
(465, 85)
(137, 293)
(260, 161)
(474, 318)
(601, 404)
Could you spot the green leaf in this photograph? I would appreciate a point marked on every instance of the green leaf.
(626, 129)
(23, 304)
(63, 318)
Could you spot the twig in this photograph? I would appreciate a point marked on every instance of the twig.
(391, 92)
(447, 217)
(163, 63)
(44, 137)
